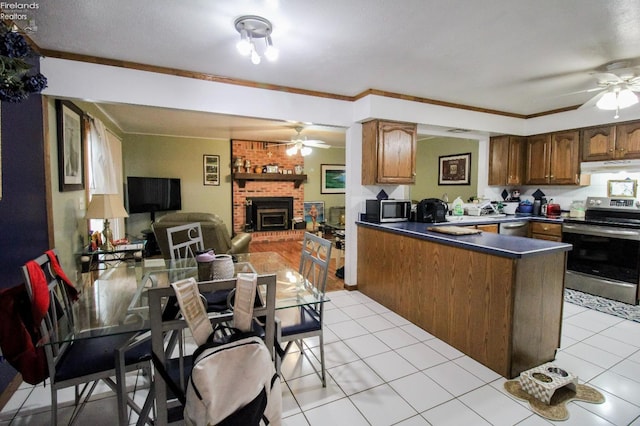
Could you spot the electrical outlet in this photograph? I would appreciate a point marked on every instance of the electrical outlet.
(81, 204)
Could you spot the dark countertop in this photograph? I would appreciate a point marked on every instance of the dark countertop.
(487, 242)
(502, 219)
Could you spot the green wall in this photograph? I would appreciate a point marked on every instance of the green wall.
(179, 157)
(427, 161)
(312, 168)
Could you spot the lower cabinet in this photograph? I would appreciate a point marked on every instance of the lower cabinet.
(546, 231)
(489, 227)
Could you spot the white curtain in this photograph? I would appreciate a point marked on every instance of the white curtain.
(105, 169)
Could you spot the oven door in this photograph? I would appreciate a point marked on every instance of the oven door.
(605, 260)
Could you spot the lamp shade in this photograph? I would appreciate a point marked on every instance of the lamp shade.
(106, 206)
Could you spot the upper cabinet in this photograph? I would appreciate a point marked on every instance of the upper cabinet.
(506, 160)
(617, 142)
(553, 159)
(388, 153)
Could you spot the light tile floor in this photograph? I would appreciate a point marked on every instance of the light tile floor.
(383, 370)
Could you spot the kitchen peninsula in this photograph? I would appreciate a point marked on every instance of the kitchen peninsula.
(496, 298)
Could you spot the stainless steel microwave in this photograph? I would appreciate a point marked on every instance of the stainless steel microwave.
(381, 211)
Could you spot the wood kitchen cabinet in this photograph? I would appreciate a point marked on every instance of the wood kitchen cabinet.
(388, 153)
(611, 142)
(552, 159)
(546, 231)
(506, 160)
(628, 140)
(486, 227)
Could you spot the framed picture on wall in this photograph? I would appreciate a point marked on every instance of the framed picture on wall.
(211, 169)
(332, 178)
(70, 146)
(313, 214)
(626, 188)
(454, 169)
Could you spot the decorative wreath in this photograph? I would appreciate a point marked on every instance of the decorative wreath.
(16, 83)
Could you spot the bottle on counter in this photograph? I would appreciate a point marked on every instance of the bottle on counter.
(458, 207)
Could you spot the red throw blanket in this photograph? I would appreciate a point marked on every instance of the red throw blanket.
(72, 292)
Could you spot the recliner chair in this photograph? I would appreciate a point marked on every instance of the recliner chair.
(214, 232)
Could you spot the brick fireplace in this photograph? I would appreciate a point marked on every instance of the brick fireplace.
(272, 227)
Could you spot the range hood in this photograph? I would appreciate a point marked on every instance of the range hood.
(610, 166)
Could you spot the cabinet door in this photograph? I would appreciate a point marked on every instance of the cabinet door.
(564, 162)
(538, 154)
(490, 227)
(396, 153)
(506, 160)
(516, 160)
(628, 140)
(498, 160)
(598, 143)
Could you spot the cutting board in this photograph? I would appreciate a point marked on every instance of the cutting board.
(454, 230)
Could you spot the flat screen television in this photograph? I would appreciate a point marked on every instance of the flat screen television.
(153, 194)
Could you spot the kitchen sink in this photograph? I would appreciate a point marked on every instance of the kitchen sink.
(483, 218)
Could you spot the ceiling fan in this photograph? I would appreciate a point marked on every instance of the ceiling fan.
(618, 83)
(303, 145)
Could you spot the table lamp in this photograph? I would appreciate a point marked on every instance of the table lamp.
(106, 206)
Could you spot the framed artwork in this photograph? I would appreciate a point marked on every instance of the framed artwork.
(454, 169)
(622, 188)
(313, 214)
(70, 146)
(211, 169)
(332, 178)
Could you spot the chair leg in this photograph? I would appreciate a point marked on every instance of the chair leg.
(324, 379)
(54, 406)
(78, 408)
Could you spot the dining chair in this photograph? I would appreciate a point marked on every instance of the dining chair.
(185, 241)
(168, 409)
(298, 323)
(73, 360)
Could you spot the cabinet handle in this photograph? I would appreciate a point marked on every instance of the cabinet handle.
(621, 149)
(551, 176)
(611, 150)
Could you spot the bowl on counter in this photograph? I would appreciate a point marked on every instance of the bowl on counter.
(525, 208)
(509, 207)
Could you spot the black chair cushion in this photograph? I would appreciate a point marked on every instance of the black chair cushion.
(299, 320)
(94, 355)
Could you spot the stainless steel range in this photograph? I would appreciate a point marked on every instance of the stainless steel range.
(605, 259)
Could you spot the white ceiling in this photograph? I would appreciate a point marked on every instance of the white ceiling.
(514, 56)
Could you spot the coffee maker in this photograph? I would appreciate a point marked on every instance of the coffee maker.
(431, 210)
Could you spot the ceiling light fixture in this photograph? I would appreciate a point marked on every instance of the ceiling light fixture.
(617, 98)
(299, 146)
(253, 27)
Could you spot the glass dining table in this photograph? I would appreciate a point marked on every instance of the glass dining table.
(117, 300)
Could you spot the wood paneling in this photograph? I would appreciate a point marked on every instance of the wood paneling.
(474, 301)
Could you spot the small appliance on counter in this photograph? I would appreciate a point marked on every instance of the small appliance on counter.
(431, 210)
(551, 210)
(388, 210)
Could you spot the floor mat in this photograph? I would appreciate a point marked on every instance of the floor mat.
(601, 304)
(557, 410)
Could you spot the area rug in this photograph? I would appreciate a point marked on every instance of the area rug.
(601, 304)
(557, 410)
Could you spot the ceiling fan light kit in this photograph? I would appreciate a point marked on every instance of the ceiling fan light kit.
(303, 145)
(251, 28)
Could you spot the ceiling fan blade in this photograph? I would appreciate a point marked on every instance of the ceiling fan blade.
(607, 78)
(593, 101)
(315, 143)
